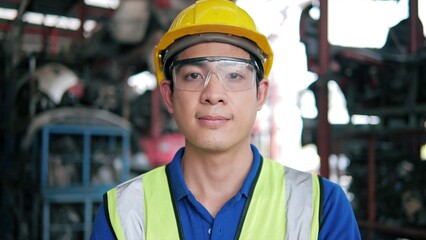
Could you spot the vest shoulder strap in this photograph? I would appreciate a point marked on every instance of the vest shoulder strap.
(139, 208)
(159, 207)
(303, 204)
(285, 202)
(265, 217)
(124, 209)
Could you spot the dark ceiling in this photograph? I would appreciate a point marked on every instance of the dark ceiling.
(20, 39)
(69, 8)
(52, 6)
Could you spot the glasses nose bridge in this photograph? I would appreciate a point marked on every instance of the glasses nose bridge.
(209, 76)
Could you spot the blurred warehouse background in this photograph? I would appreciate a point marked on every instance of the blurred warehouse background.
(80, 111)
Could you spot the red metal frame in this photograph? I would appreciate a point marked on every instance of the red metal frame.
(323, 123)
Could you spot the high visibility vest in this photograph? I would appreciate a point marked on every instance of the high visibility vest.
(284, 204)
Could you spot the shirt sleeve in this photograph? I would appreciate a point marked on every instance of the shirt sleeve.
(338, 219)
(101, 228)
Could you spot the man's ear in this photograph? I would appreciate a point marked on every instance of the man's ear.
(167, 95)
(262, 93)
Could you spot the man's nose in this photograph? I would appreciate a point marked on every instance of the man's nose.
(214, 91)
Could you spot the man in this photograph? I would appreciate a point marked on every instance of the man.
(212, 67)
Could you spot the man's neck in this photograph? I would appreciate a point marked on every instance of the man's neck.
(214, 178)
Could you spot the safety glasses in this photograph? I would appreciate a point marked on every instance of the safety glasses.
(194, 74)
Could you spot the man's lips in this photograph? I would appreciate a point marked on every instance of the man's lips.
(213, 120)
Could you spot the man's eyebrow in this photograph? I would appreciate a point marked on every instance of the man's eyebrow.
(194, 63)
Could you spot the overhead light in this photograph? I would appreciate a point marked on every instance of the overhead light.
(109, 4)
(50, 20)
(68, 23)
(56, 21)
(33, 18)
(365, 120)
(8, 13)
(142, 82)
(423, 152)
(423, 148)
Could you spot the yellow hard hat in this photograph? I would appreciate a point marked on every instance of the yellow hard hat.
(212, 21)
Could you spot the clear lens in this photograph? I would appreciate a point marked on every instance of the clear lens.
(195, 73)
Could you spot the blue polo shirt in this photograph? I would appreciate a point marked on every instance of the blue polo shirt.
(338, 221)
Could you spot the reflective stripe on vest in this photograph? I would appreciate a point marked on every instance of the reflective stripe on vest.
(142, 208)
(126, 211)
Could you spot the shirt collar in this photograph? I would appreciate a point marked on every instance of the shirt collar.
(176, 175)
(245, 189)
(180, 188)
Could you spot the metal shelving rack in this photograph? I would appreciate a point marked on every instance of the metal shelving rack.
(372, 139)
(81, 193)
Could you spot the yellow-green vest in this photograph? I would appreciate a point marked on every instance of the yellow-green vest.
(285, 204)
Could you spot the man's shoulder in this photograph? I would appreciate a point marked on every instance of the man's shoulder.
(141, 176)
(334, 195)
(287, 169)
(272, 162)
(331, 186)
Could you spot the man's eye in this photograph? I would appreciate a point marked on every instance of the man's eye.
(234, 75)
(193, 76)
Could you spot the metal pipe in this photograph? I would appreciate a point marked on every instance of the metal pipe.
(323, 140)
(414, 25)
(371, 183)
(83, 18)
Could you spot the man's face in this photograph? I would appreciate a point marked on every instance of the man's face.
(214, 118)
